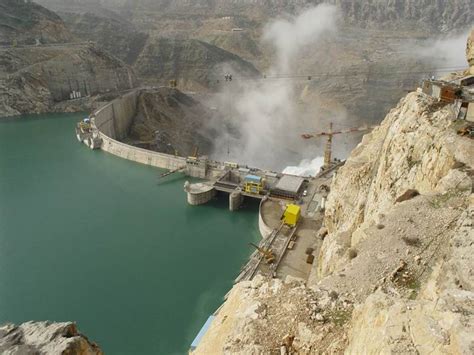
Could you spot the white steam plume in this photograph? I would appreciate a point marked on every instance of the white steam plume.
(263, 119)
(306, 168)
(448, 52)
(289, 37)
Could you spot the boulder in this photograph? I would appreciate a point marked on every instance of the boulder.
(45, 338)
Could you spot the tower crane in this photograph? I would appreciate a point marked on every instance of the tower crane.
(329, 134)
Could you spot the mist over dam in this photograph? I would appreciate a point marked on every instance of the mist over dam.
(94, 238)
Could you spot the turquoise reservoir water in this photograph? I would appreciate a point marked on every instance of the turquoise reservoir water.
(89, 237)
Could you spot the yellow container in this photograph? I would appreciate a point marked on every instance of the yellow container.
(292, 215)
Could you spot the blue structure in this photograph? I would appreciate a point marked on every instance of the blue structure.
(201, 333)
(253, 178)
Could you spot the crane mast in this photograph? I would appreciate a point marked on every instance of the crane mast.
(328, 149)
(329, 134)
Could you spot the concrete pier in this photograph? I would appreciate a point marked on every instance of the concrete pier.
(199, 194)
(90, 137)
(94, 142)
(235, 200)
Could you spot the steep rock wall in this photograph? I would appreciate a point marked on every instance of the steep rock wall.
(414, 148)
(36, 79)
(196, 65)
(470, 51)
(432, 14)
(25, 21)
(45, 338)
(109, 31)
(439, 320)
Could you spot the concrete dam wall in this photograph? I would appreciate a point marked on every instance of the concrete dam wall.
(264, 229)
(113, 122)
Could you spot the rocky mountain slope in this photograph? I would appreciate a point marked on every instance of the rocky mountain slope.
(41, 79)
(373, 60)
(470, 51)
(394, 271)
(429, 14)
(45, 338)
(195, 65)
(415, 253)
(171, 122)
(109, 31)
(158, 54)
(25, 22)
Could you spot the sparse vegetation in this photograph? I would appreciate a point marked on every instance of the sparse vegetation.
(413, 295)
(409, 281)
(440, 200)
(340, 317)
(411, 162)
(413, 284)
(411, 240)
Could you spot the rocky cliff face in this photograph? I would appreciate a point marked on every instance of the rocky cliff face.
(41, 79)
(109, 31)
(415, 147)
(429, 14)
(437, 315)
(425, 243)
(45, 338)
(260, 316)
(25, 22)
(194, 64)
(171, 122)
(470, 51)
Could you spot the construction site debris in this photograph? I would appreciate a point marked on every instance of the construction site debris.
(466, 131)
